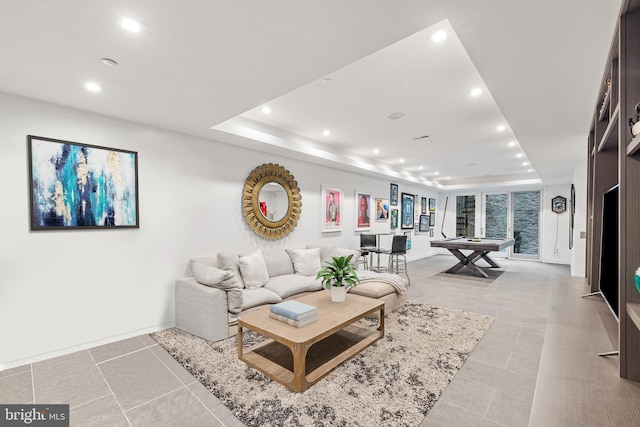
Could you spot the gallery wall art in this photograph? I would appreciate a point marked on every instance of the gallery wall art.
(75, 185)
(331, 209)
(363, 210)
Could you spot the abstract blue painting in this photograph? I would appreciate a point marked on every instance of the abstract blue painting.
(81, 186)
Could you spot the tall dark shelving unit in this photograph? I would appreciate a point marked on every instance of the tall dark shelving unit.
(614, 158)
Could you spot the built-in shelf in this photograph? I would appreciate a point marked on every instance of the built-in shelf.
(608, 132)
(633, 310)
(633, 146)
(605, 105)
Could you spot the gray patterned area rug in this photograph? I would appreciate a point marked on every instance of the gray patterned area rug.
(395, 382)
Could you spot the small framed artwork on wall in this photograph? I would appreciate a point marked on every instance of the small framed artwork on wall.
(408, 234)
(423, 205)
(363, 210)
(394, 218)
(432, 219)
(393, 194)
(424, 223)
(81, 186)
(407, 211)
(382, 209)
(331, 209)
(432, 204)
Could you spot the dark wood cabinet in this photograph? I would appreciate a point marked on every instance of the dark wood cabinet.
(614, 158)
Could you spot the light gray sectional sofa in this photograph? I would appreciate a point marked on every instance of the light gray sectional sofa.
(221, 288)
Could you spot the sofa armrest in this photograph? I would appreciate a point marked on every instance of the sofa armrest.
(201, 310)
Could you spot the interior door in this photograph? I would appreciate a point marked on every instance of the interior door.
(525, 224)
(496, 218)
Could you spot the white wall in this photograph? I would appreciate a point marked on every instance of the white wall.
(579, 252)
(61, 291)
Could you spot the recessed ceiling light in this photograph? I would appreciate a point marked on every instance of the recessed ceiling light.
(266, 110)
(326, 81)
(421, 167)
(436, 173)
(395, 116)
(93, 87)
(512, 144)
(130, 25)
(439, 37)
(529, 170)
(326, 132)
(448, 177)
(501, 128)
(401, 160)
(376, 151)
(519, 155)
(525, 163)
(476, 92)
(109, 62)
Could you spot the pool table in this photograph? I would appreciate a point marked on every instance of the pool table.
(479, 248)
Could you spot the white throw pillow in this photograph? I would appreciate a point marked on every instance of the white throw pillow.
(305, 261)
(254, 270)
(347, 252)
(208, 275)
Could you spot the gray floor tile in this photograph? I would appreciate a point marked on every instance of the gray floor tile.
(147, 340)
(180, 407)
(471, 395)
(447, 415)
(183, 375)
(138, 378)
(524, 364)
(509, 410)
(16, 370)
(73, 379)
(118, 348)
(99, 413)
(210, 401)
(16, 388)
(508, 381)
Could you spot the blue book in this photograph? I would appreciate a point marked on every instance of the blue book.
(295, 310)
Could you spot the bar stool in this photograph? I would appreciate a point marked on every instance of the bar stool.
(368, 245)
(398, 249)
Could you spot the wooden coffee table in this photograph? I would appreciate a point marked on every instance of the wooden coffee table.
(297, 358)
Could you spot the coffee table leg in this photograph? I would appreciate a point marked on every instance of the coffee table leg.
(299, 367)
(240, 355)
(492, 263)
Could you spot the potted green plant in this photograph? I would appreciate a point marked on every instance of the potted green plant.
(338, 275)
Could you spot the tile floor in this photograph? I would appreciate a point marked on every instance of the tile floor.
(135, 383)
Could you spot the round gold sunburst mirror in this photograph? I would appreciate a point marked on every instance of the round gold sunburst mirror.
(271, 201)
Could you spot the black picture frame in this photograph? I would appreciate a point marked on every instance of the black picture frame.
(393, 194)
(432, 204)
(432, 219)
(423, 206)
(424, 222)
(408, 201)
(74, 186)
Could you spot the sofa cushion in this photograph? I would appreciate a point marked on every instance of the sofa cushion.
(292, 284)
(208, 275)
(347, 252)
(372, 289)
(258, 296)
(253, 270)
(278, 262)
(326, 253)
(305, 261)
(229, 261)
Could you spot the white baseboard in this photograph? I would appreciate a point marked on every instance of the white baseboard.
(84, 346)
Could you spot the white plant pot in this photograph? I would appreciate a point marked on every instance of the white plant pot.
(338, 293)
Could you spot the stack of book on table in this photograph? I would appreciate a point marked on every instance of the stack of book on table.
(294, 313)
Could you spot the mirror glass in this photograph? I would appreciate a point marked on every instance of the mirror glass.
(273, 201)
